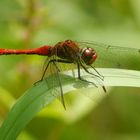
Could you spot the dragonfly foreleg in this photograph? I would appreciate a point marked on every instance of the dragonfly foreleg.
(99, 76)
(97, 72)
(89, 73)
(79, 76)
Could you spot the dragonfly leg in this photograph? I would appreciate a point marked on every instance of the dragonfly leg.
(104, 89)
(97, 72)
(53, 60)
(79, 76)
(91, 72)
(61, 90)
(43, 74)
(66, 61)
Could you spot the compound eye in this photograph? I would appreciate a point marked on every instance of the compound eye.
(89, 55)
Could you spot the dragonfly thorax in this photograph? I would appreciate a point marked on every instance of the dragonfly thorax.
(88, 55)
(67, 50)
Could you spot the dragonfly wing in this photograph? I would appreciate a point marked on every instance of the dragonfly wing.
(114, 56)
(55, 83)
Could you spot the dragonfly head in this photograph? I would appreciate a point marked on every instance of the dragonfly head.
(88, 55)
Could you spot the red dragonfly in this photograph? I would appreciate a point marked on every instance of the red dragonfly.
(69, 51)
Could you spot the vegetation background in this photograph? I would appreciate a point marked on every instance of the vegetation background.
(32, 23)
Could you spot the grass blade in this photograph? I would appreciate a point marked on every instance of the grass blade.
(40, 95)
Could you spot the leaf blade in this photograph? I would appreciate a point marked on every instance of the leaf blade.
(39, 96)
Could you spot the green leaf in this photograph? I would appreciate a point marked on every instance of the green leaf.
(40, 95)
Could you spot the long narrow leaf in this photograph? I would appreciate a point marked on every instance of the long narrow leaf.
(40, 95)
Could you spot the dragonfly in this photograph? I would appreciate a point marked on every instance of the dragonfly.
(83, 55)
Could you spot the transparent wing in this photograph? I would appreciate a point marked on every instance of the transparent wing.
(52, 68)
(114, 56)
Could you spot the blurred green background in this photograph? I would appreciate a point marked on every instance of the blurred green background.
(32, 23)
